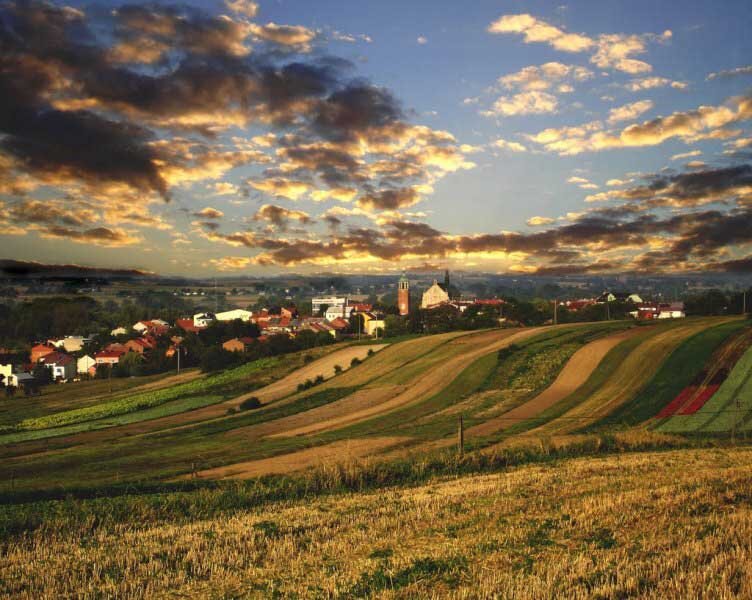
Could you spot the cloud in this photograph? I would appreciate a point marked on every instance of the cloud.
(209, 213)
(98, 236)
(648, 83)
(682, 155)
(583, 183)
(281, 216)
(507, 145)
(231, 263)
(704, 122)
(614, 51)
(543, 77)
(729, 73)
(629, 111)
(525, 103)
(538, 221)
(390, 199)
(245, 8)
(537, 30)
(282, 188)
(284, 35)
(422, 40)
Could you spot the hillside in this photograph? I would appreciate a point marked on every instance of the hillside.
(655, 525)
(389, 399)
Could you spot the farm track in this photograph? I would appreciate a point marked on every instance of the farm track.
(335, 453)
(575, 373)
(624, 383)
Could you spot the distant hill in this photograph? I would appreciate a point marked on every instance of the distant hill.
(18, 269)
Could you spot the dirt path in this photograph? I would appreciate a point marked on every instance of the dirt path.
(185, 376)
(576, 372)
(335, 453)
(423, 386)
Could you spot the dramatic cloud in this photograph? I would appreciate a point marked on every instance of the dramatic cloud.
(544, 77)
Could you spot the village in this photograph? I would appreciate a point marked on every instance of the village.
(333, 318)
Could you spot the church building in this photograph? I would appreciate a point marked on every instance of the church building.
(437, 294)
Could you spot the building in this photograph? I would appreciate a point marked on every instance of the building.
(7, 376)
(188, 326)
(119, 331)
(203, 319)
(63, 366)
(139, 345)
(403, 295)
(108, 357)
(70, 343)
(338, 312)
(434, 296)
(650, 310)
(373, 325)
(238, 344)
(618, 297)
(86, 365)
(39, 351)
(327, 301)
(232, 315)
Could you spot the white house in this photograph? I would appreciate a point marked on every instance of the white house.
(328, 301)
(85, 363)
(63, 366)
(373, 325)
(142, 326)
(9, 379)
(231, 315)
(334, 312)
(119, 331)
(203, 319)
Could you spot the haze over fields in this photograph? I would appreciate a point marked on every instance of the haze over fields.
(259, 138)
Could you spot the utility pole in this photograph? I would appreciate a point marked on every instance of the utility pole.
(744, 302)
(177, 349)
(109, 378)
(608, 311)
(556, 309)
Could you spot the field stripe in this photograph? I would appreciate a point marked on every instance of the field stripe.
(574, 374)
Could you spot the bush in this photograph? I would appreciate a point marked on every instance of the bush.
(337, 369)
(250, 403)
(308, 358)
(232, 411)
(371, 352)
(319, 379)
(355, 362)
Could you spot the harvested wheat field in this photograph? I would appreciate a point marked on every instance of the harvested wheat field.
(674, 524)
(572, 376)
(327, 456)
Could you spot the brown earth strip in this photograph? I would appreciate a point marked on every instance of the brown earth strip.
(330, 454)
(575, 373)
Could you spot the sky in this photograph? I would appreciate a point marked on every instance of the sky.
(361, 136)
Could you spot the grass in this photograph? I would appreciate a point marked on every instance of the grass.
(656, 524)
(59, 397)
(674, 375)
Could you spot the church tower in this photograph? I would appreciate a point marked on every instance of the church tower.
(403, 295)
